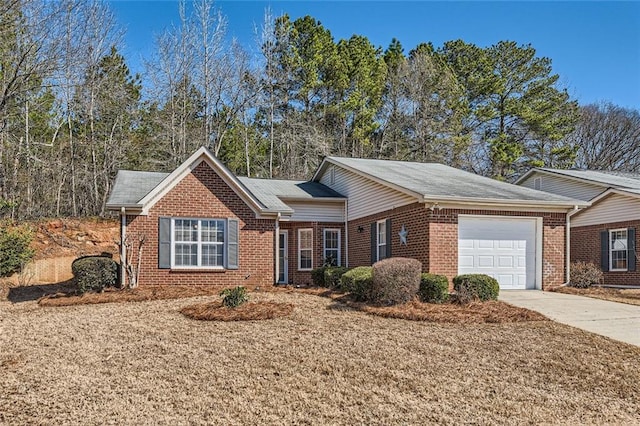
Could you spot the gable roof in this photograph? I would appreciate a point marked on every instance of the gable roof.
(604, 178)
(139, 190)
(433, 182)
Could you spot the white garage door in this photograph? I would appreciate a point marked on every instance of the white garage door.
(502, 248)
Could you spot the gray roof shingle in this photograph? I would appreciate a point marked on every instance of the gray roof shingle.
(437, 181)
(271, 191)
(132, 186)
(608, 178)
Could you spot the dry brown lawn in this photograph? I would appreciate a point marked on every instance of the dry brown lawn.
(145, 363)
(629, 296)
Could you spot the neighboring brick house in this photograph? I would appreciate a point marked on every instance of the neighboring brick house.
(204, 225)
(605, 233)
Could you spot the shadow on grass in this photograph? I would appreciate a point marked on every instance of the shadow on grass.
(34, 292)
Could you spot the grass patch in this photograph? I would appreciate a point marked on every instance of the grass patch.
(140, 294)
(452, 313)
(628, 296)
(250, 311)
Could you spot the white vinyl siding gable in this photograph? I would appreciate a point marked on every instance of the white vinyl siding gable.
(564, 186)
(316, 211)
(366, 197)
(612, 209)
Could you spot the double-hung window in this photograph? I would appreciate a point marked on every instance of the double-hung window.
(331, 249)
(618, 250)
(305, 249)
(381, 239)
(198, 243)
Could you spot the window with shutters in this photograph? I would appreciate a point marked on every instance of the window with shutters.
(618, 249)
(198, 243)
(332, 247)
(381, 239)
(305, 249)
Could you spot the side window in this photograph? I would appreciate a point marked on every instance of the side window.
(382, 240)
(618, 249)
(305, 249)
(331, 247)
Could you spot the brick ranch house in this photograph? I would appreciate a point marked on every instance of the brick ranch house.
(204, 225)
(605, 233)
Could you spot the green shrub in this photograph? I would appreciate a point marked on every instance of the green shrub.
(94, 273)
(332, 276)
(15, 252)
(395, 280)
(584, 275)
(234, 297)
(434, 288)
(357, 281)
(317, 276)
(476, 286)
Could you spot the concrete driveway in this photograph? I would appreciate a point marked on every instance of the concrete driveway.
(618, 321)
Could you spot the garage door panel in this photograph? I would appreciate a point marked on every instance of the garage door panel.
(485, 261)
(505, 262)
(500, 247)
(483, 244)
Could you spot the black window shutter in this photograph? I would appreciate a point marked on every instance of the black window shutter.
(232, 244)
(374, 242)
(631, 249)
(388, 226)
(604, 250)
(164, 243)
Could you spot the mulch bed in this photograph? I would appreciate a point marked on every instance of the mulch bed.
(628, 296)
(453, 313)
(140, 294)
(250, 311)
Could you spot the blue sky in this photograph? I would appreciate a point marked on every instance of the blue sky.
(594, 46)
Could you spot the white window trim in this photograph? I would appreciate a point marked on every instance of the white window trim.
(378, 245)
(199, 242)
(300, 268)
(324, 244)
(611, 250)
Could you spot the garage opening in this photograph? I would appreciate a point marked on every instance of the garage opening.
(503, 248)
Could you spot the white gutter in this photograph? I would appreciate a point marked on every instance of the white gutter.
(123, 247)
(277, 244)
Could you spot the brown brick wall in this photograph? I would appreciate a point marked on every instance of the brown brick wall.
(433, 239)
(585, 247)
(203, 194)
(304, 277)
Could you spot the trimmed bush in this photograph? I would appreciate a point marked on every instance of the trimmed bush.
(15, 252)
(395, 280)
(317, 276)
(234, 297)
(434, 288)
(357, 281)
(94, 273)
(584, 275)
(332, 276)
(476, 286)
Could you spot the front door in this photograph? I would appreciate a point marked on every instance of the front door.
(283, 258)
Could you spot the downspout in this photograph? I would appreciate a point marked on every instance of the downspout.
(123, 247)
(277, 244)
(567, 233)
(346, 233)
